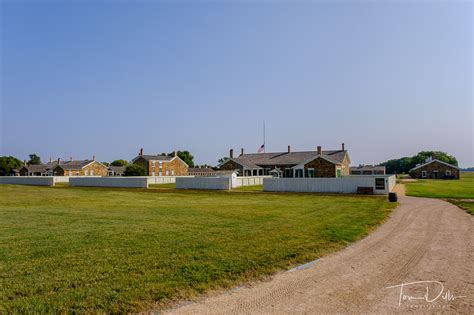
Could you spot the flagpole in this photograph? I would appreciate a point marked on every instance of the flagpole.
(264, 146)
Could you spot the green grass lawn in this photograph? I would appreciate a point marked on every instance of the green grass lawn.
(445, 189)
(249, 188)
(128, 250)
(437, 188)
(468, 206)
(163, 186)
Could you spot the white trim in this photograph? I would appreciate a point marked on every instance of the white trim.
(435, 160)
(424, 174)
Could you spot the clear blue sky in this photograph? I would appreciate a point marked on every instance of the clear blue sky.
(388, 78)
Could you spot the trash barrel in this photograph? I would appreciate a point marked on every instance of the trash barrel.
(392, 197)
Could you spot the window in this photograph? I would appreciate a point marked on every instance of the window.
(299, 173)
(92, 173)
(423, 174)
(161, 174)
(310, 172)
(448, 172)
(380, 183)
(86, 173)
(172, 172)
(167, 173)
(152, 173)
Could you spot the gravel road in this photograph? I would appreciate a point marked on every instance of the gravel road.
(424, 240)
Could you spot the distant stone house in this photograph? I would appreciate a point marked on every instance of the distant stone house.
(162, 165)
(66, 168)
(115, 170)
(201, 171)
(319, 163)
(435, 169)
(80, 168)
(38, 170)
(367, 170)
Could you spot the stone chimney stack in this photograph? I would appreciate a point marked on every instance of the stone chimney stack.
(141, 152)
(59, 160)
(242, 151)
(231, 153)
(175, 154)
(289, 148)
(71, 159)
(343, 146)
(93, 158)
(319, 150)
(24, 162)
(50, 159)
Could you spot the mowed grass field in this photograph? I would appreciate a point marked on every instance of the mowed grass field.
(455, 191)
(118, 250)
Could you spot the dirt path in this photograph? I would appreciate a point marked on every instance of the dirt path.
(424, 240)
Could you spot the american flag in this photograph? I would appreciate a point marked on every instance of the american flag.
(261, 149)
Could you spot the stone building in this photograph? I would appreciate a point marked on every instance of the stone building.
(162, 165)
(201, 171)
(319, 163)
(367, 170)
(65, 168)
(80, 168)
(435, 169)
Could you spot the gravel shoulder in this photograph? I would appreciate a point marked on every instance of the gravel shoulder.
(424, 240)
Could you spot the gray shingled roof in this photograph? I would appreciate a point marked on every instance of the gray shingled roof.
(200, 169)
(74, 165)
(254, 160)
(154, 157)
(367, 168)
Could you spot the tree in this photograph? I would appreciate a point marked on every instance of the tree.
(105, 163)
(34, 160)
(119, 163)
(134, 170)
(7, 163)
(221, 160)
(404, 164)
(185, 156)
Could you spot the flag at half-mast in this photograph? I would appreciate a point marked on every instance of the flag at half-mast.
(261, 149)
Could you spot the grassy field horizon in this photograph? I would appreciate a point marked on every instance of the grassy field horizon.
(130, 250)
(457, 192)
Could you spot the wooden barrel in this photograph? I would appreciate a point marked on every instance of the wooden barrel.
(392, 197)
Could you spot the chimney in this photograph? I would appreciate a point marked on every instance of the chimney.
(231, 153)
(242, 151)
(319, 150)
(175, 154)
(59, 160)
(343, 146)
(24, 162)
(71, 159)
(289, 148)
(93, 158)
(141, 152)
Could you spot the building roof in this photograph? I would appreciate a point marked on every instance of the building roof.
(258, 160)
(75, 165)
(200, 170)
(432, 161)
(157, 157)
(367, 168)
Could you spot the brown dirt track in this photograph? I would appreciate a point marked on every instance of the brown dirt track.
(424, 240)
